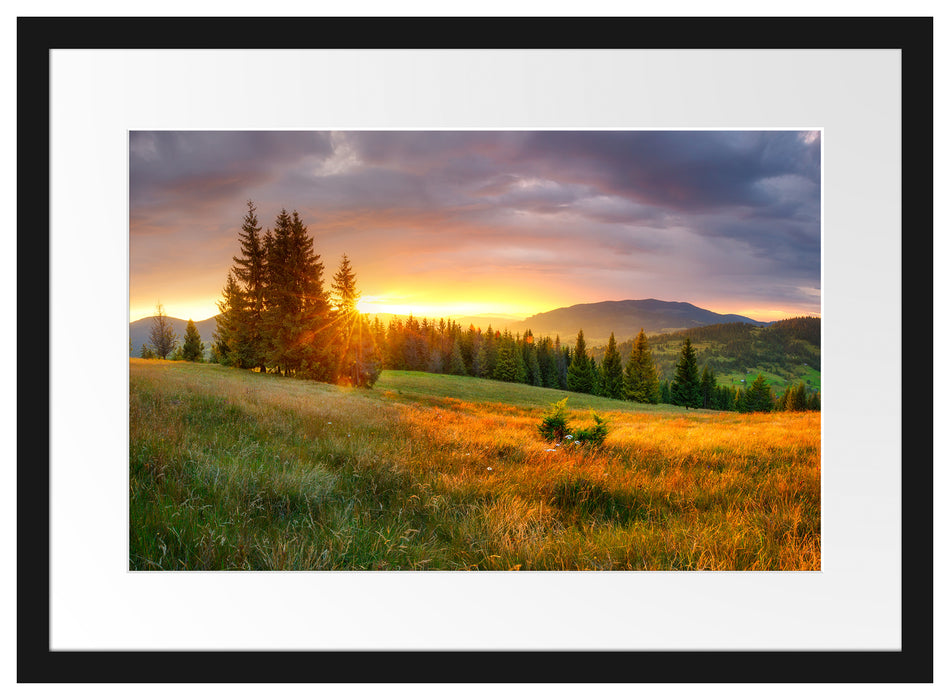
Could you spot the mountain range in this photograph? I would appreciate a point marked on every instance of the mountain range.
(598, 320)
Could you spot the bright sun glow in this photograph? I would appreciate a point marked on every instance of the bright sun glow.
(426, 308)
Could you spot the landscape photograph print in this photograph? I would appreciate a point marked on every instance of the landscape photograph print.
(476, 350)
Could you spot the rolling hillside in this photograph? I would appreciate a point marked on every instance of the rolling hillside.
(786, 352)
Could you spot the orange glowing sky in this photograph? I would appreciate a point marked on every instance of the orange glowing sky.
(450, 224)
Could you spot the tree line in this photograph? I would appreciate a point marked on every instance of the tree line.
(445, 347)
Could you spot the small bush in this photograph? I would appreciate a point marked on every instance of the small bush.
(554, 422)
(554, 426)
(594, 435)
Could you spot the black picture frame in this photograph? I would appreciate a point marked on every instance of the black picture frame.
(37, 663)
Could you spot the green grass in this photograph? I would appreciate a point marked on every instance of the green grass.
(434, 389)
(234, 470)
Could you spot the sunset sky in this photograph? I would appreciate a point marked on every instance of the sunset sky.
(446, 224)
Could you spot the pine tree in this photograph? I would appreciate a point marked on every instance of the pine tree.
(467, 345)
(479, 357)
(358, 359)
(491, 352)
(665, 396)
(547, 363)
(345, 293)
(296, 309)
(193, 350)
(510, 364)
(725, 399)
(640, 380)
(795, 398)
(612, 371)
(456, 361)
(162, 337)
(578, 372)
(707, 387)
(280, 307)
(521, 369)
(563, 355)
(758, 397)
(596, 377)
(533, 366)
(685, 389)
(146, 353)
(251, 271)
(225, 346)
(740, 400)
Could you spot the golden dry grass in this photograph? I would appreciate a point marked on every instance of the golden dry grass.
(232, 469)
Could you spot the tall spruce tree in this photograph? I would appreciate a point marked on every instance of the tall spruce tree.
(640, 380)
(345, 293)
(359, 360)
(533, 366)
(579, 377)
(479, 356)
(230, 306)
(563, 357)
(296, 310)
(192, 349)
(612, 371)
(707, 387)
(250, 269)
(456, 361)
(509, 366)
(665, 392)
(491, 352)
(796, 398)
(280, 301)
(685, 389)
(596, 377)
(758, 397)
(547, 363)
(162, 336)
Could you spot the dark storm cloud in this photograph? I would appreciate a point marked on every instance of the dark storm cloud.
(684, 170)
(202, 165)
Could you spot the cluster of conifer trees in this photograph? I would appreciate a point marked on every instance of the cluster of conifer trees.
(277, 316)
(444, 347)
(694, 390)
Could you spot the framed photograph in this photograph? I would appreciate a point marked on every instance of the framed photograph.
(756, 179)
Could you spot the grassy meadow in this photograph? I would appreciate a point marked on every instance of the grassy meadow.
(232, 470)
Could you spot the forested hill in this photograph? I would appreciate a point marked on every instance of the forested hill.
(789, 349)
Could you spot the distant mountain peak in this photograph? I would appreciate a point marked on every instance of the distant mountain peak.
(624, 318)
